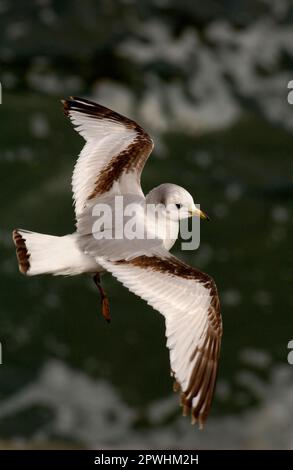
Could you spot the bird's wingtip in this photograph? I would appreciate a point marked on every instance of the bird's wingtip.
(66, 103)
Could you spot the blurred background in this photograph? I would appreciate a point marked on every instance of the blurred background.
(209, 81)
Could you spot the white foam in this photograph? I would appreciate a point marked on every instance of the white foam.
(91, 412)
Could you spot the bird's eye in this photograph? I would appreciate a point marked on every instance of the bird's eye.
(178, 206)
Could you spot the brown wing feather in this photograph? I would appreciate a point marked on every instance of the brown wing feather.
(131, 159)
(203, 378)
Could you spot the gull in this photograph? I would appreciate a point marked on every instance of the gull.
(110, 165)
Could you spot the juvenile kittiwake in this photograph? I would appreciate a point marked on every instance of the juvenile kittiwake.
(110, 165)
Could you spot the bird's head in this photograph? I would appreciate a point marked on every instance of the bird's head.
(178, 202)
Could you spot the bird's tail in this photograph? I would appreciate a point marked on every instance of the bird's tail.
(38, 253)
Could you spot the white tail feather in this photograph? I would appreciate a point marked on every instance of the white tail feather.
(38, 253)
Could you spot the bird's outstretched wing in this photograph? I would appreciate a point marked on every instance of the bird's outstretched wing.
(189, 301)
(114, 155)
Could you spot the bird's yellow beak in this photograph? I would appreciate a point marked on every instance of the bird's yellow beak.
(199, 213)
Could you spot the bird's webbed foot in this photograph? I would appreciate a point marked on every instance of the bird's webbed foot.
(104, 298)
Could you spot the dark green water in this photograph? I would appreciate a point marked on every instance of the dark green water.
(243, 178)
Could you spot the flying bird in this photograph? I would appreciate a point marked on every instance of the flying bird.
(110, 165)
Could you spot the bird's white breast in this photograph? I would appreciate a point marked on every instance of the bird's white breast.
(158, 225)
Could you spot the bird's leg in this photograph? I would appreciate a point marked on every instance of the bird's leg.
(104, 298)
